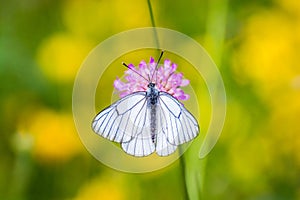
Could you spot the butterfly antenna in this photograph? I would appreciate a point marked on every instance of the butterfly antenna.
(134, 71)
(155, 69)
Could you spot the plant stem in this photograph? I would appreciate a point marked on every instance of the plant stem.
(182, 168)
(153, 24)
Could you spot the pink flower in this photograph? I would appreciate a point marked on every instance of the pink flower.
(166, 79)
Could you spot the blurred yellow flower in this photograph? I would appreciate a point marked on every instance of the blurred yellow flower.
(54, 136)
(291, 5)
(250, 157)
(249, 154)
(99, 19)
(108, 188)
(268, 55)
(268, 58)
(284, 125)
(61, 55)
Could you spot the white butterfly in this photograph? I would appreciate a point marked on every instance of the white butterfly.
(147, 121)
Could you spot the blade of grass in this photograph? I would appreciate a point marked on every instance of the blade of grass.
(153, 24)
(215, 34)
(183, 173)
(194, 170)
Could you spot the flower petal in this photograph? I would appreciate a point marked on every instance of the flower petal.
(119, 85)
(184, 97)
(143, 65)
(167, 80)
(180, 95)
(184, 82)
(151, 60)
(167, 63)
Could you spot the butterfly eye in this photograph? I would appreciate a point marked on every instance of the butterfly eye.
(151, 85)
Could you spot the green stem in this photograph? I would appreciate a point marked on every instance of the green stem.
(214, 43)
(216, 29)
(151, 13)
(182, 168)
(22, 169)
(153, 24)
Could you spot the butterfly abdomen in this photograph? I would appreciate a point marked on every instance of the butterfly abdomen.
(153, 123)
(152, 98)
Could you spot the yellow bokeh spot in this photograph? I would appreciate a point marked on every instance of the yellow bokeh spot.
(291, 5)
(61, 55)
(268, 55)
(109, 188)
(250, 162)
(54, 136)
(100, 19)
(268, 58)
(284, 124)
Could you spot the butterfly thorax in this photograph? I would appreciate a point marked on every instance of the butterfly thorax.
(152, 94)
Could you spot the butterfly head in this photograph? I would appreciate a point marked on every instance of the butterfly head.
(151, 85)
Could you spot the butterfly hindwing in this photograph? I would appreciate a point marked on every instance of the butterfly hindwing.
(139, 146)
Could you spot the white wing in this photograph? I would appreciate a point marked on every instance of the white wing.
(177, 124)
(141, 144)
(163, 146)
(127, 122)
(116, 121)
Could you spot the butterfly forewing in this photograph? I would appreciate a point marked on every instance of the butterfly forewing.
(117, 121)
(180, 126)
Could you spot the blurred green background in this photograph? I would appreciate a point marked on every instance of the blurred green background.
(256, 45)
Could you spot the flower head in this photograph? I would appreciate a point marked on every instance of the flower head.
(165, 78)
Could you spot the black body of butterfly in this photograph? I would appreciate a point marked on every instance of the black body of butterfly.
(147, 121)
